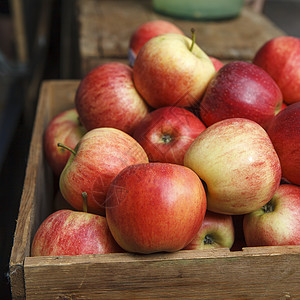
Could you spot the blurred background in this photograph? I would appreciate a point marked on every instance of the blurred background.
(40, 40)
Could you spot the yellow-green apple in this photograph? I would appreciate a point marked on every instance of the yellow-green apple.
(145, 32)
(280, 57)
(284, 132)
(277, 222)
(216, 62)
(167, 132)
(217, 231)
(155, 207)
(106, 97)
(170, 70)
(67, 232)
(98, 157)
(63, 128)
(240, 90)
(237, 161)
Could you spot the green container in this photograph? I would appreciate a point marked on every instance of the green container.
(199, 9)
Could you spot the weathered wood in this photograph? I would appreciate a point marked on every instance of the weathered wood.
(212, 274)
(37, 193)
(254, 273)
(105, 28)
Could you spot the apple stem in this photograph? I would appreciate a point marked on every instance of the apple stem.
(268, 207)
(193, 39)
(66, 147)
(166, 138)
(208, 240)
(79, 122)
(84, 201)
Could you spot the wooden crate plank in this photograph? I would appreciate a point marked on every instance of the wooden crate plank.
(27, 210)
(211, 274)
(105, 28)
(37, 192)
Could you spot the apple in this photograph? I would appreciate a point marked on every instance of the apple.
(238, 163)
(217, 231)
(277, 222)
(284, 132)
(155, 207)
(145, 32)
(240, 90)
(64, 128)
(280, 57)
(283, 106)
(98, 157)
(67, 232)
(171, 70)
(106, 97)
(216, 62)
(167, 132)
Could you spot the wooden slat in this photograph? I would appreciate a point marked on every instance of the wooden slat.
(37, 191)
(211, 274)
(105, 28)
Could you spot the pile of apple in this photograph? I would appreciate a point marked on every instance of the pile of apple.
(177, 150)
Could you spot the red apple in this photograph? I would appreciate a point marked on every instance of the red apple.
(167, 132)
(67, 232)
(283, 106)
(280, 57)
(155, 207)
(241, 90)
(99, 156)
(63, 128)
(276, 223)
(106, 97)
(284, 132)
(216, 62)
(172, 71)
(217, 231)
(145, 32)
(237, 161)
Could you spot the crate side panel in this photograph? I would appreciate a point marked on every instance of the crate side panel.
(37, 193)
(27, 213)
(234, 276)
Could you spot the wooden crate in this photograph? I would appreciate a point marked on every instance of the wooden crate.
(252, 273)
(105, 27)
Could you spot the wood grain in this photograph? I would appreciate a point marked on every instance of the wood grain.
(37, 195)
(105, 28)
(208, 274)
